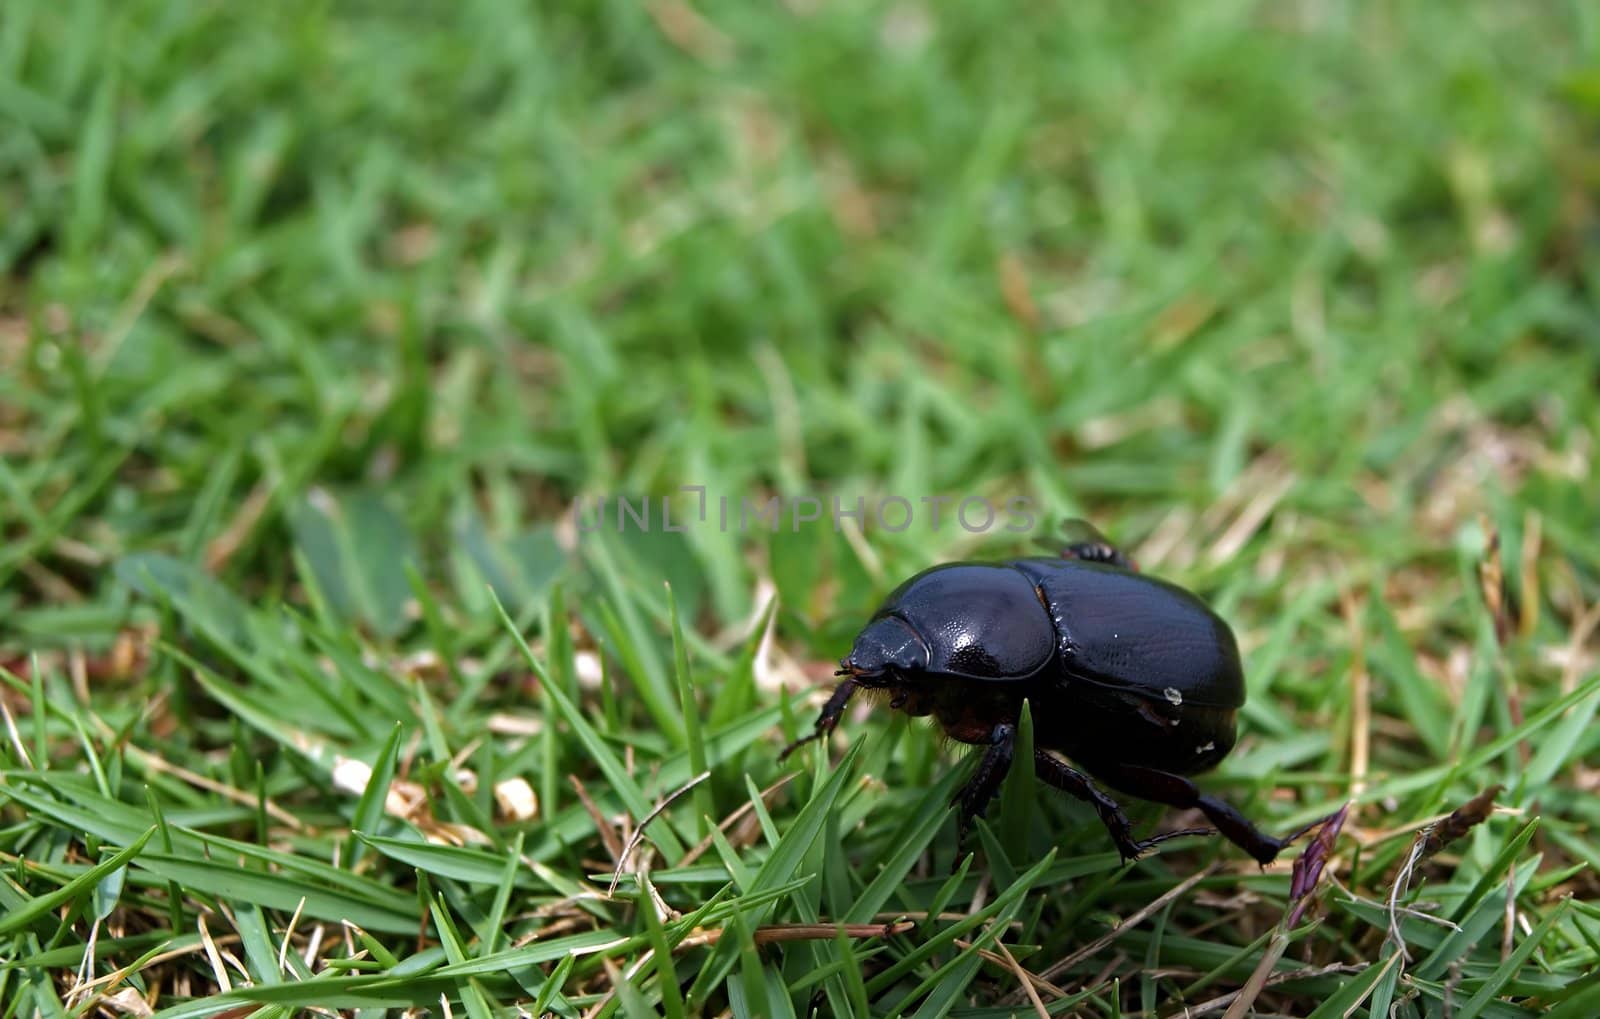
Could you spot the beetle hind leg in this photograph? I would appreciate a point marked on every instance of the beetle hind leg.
(1177, 791)
(1059, 774)
(1094, 552)
(1085, 542)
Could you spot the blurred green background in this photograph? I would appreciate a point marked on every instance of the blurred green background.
(315, 318)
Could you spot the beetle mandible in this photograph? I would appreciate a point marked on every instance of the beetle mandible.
(1133, 678)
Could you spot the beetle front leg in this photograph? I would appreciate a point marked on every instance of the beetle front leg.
(829, 718)
(974, 797)
(1059, 774)
(1177, 791)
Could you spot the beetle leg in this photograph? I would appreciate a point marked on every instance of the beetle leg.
(974, 797)
(1053, 771)
(1092, 546)
(1099, 552)
(829, 718)
(1177, 791)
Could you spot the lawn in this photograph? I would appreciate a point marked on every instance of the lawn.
(326, 328)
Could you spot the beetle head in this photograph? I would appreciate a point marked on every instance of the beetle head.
(886, 652)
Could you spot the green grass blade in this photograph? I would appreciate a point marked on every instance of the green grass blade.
(84, 883)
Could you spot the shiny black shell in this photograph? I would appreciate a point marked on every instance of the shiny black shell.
(1125, 629)
(978, 620)
(1121, 631)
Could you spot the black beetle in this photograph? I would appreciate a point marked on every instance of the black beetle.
(1135, 679)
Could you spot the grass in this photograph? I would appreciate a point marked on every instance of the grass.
(316, 318)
